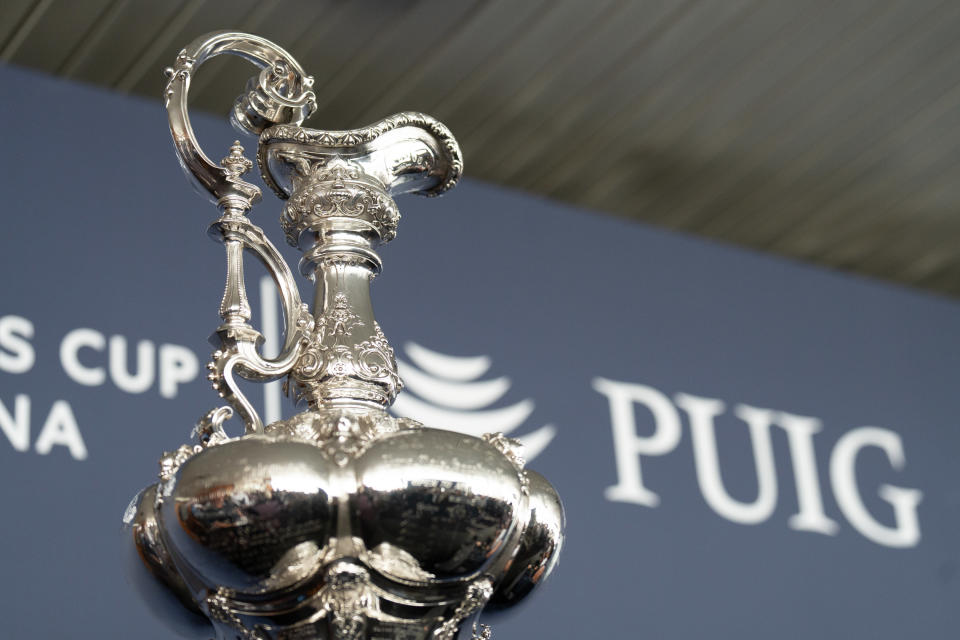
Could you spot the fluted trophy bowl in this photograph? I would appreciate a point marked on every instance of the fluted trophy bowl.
(338, 516)
(342, 522)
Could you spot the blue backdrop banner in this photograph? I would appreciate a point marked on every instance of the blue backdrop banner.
(746, 447)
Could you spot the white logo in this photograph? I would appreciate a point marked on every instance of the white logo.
(706, 416)
(446, 392)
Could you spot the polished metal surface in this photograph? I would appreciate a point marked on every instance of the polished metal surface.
(341, 522)
(823, 131)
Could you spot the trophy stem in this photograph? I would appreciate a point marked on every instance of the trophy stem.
(340, 284)
(346, 361)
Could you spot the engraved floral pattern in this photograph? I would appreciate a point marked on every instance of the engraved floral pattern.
(333, 366)
(338, 188)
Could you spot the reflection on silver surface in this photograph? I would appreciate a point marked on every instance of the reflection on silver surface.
(342, 521)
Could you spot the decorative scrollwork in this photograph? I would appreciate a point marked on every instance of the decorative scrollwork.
(338, 188)
(345, 598)
(509, 447)
(171, 461)
(512, 449)
(478, 593)
(180, 70)
(336, 363)
(219, 610)
(341, 434)
(208, 432)
(239, 353)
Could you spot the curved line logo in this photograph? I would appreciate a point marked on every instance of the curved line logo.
(447, 392)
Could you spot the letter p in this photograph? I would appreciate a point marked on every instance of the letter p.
(177, 365)
(628, 446)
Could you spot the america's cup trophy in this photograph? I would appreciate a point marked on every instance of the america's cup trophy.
(342, 522)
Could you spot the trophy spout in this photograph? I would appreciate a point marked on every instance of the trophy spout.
(407, 152)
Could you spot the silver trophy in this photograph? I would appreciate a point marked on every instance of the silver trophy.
(341, 522)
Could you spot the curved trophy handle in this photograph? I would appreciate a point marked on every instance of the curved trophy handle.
(281, 94)
(240, 342)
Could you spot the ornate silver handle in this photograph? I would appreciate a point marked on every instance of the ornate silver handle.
(239, 353)
(280, 94)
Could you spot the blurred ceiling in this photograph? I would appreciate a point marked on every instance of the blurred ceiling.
(827, 131)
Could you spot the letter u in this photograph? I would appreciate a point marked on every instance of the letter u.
(702, 412)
